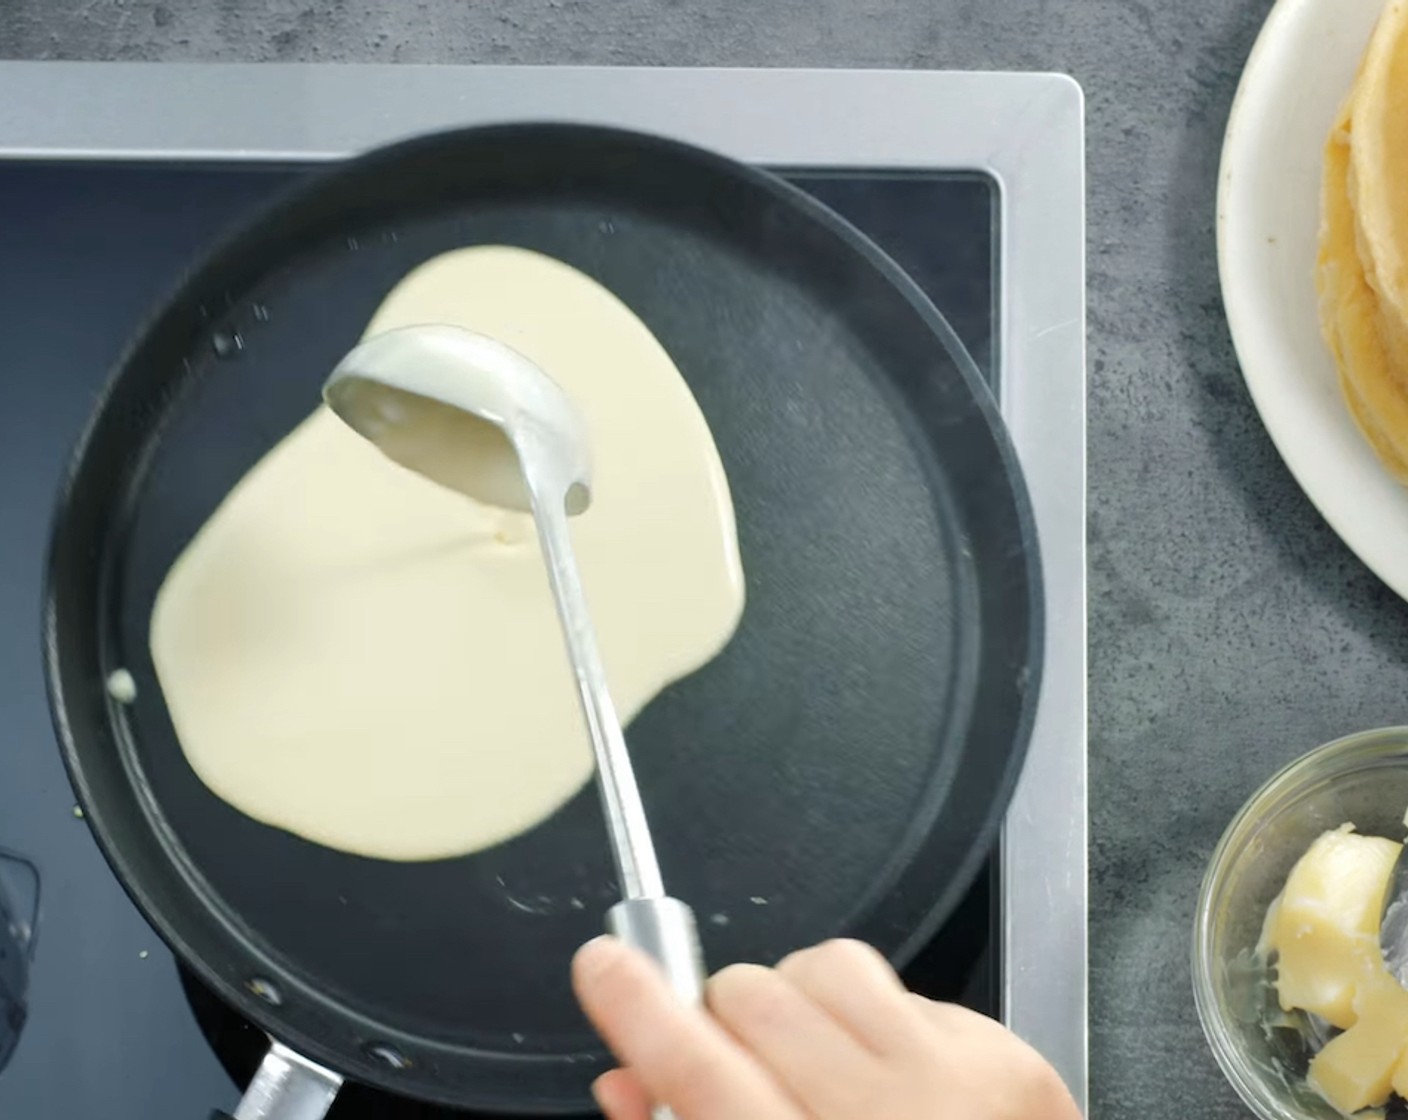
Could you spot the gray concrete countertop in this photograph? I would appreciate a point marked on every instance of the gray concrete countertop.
(1230, 630)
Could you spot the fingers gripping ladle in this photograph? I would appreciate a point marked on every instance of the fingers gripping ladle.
(477, 417)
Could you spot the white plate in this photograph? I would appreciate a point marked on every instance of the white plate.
(1268, 218)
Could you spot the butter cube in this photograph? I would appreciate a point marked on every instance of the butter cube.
(1358, 1069)
(1325, 925)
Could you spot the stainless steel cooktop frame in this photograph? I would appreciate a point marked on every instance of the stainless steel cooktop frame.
(1024, 130)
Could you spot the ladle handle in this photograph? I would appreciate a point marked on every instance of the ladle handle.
(631, 845)
(664, 930)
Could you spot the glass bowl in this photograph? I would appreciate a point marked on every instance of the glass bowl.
(1361, 779)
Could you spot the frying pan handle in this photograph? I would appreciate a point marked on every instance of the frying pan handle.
(287, 1087)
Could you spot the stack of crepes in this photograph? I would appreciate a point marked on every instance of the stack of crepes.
(1362, 272)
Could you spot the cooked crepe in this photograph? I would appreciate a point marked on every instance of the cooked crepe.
(1378, 176)
(1350, 317)
(1362, 269)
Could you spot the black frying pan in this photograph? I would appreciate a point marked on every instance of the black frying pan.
(841, 768)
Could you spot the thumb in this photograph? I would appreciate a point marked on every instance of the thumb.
(676, 1052)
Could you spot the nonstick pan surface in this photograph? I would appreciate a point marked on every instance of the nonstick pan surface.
(842, 767)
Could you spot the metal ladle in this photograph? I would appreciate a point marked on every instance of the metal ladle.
(474, 415)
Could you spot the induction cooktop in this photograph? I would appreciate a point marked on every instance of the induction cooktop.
(113, 176)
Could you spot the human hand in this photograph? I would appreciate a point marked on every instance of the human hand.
(830, 1034)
